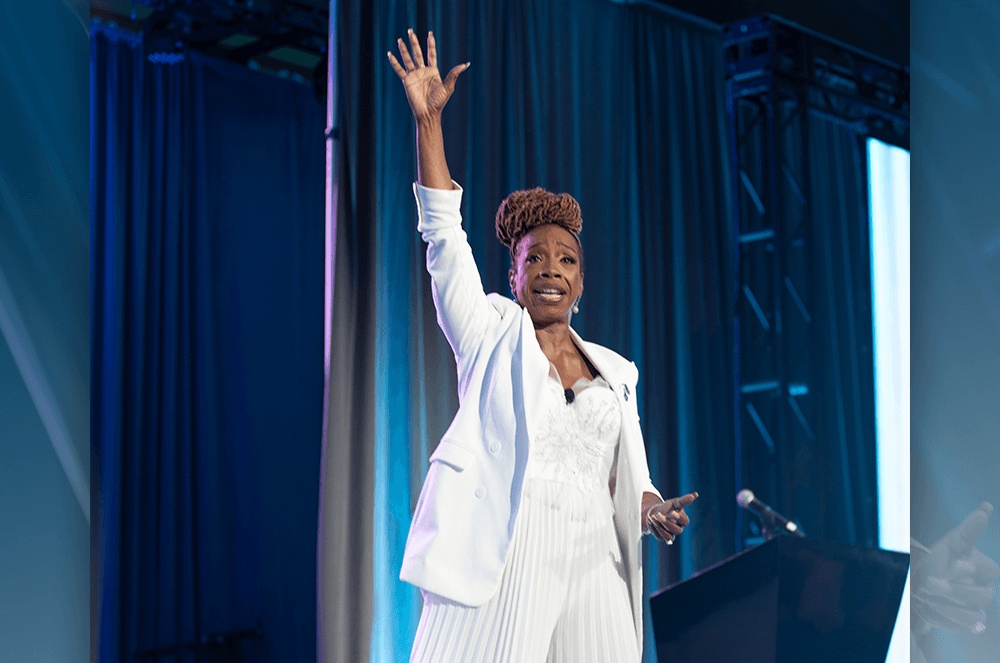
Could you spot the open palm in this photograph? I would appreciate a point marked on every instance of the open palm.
(425, 90)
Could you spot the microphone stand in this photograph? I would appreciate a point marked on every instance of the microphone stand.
(771, 528)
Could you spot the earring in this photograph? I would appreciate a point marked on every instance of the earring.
(576, 306)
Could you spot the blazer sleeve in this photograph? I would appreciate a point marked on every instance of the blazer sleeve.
(463, 311)
(642, 471)
(644, 481)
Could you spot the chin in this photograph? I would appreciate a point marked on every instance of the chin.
(548, 316)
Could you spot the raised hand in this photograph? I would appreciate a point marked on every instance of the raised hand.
(667, 519)
(953, 580)
(425, 90)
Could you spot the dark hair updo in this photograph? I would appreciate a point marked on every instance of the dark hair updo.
(523, 211)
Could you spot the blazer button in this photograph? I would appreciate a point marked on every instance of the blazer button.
(495, 447)
(480, 492)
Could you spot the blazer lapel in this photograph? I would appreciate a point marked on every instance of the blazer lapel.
(627, 499)
(534, 370)
(606, 365)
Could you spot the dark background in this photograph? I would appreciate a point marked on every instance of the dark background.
(880, 28)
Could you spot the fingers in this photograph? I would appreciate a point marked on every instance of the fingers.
(984, 569)
(432, 51)
(657, 525)
(674, 508)
(971, 568)
(679, 503)
(405, 55)
(666, 522)
(667, 519)
(959, 540)
(660, 532)
(396, 67)
(678, 518)
(417, 60)
(968, 596)
(948, 616)
(418, 55)
(449, 81)
(972, 528)
(672, 522)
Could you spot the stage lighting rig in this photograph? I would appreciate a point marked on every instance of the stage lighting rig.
(788, 90)
(287, 38)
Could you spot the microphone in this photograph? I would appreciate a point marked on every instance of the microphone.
(745, 498)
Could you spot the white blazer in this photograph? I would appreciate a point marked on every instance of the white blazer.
(461, 530)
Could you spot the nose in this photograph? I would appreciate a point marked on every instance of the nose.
(550, 269)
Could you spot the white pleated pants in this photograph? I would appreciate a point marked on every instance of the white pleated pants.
(562, 598)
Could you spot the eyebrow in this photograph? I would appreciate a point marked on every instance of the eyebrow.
(534, 244)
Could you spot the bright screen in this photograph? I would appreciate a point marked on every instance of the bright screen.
(889, 214)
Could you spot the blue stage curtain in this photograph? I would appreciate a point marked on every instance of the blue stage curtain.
(623, 106)
(207, 383)
(830, 481)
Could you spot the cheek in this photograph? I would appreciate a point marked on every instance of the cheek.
(522, 275)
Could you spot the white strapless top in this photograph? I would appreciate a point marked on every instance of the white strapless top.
(577, 442)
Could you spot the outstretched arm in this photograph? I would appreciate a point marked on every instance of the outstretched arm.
(464, 312)
(427, 95)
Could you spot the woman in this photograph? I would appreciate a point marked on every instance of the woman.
(524, 556)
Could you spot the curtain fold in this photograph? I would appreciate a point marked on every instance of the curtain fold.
(207, 198)
(346, 545)
(839, 465)
(624, 107)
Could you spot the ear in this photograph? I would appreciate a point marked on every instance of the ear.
(510, 277)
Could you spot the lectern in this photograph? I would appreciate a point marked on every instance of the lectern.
(788, 600)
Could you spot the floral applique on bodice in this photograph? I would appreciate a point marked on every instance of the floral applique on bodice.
(576, 442)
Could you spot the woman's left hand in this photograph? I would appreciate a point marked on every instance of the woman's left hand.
(667, 519)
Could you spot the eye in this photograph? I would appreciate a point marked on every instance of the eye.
(531, 258)
(570, 260)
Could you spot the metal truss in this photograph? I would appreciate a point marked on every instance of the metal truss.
(288, 38)
(777, 76)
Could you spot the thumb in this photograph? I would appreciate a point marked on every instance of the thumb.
(959, 540)
(449, 80)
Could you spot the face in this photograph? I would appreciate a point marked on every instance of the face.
(546, 276)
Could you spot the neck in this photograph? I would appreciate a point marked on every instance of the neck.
(552, 335)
